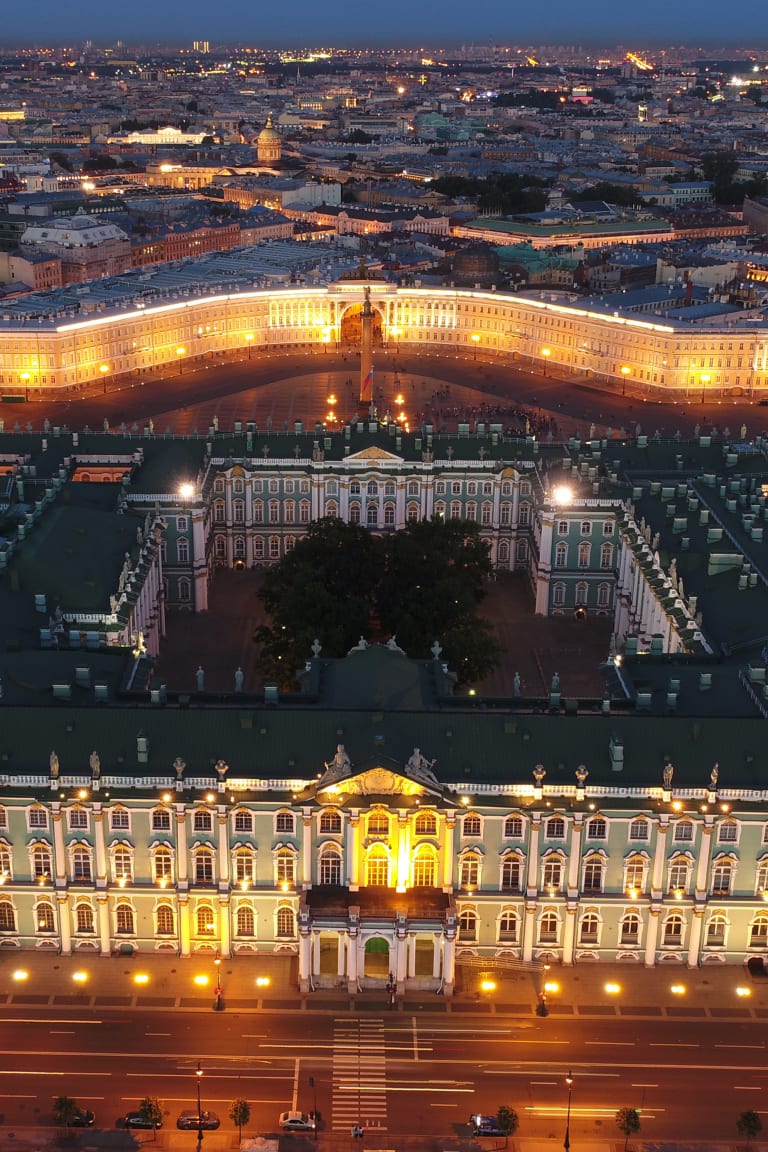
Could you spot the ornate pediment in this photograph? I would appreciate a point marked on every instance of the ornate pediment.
(378, 781)
(373, 453)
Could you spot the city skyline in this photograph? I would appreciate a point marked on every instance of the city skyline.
(596, 23)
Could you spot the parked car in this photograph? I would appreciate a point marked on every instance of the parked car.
(83, 1118)
(191, 1120)
(298, 1121)
(138, 1120)
(484, 1125)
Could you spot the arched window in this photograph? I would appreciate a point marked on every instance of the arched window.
(44, 918)
(42, 866)
(679, 873)
(84, 923)
(184, 589)
(582, 594)
(673, 931)
(354, 488)
(629, 932)
(354, 513)
(521, 551)
(552, 873)
(330, 866)
(589, 928)
(683, 831)
(162, 865)
(722, 876)
(758, 931)
(284, 822)
(635, 868)
(81, 865)
(5, 863)
(513, 828)
(239, 549)
(597, 829)
(378, 823)
(219, 515)
(286, 923)
(584, 553)
(205, 920)
(330, 823)
(245, 866)
(412, 512)
(509, 924)
(525, 515)
(555, 828)
(424, 867)
(471, 826)
(606, 555)
(558, 594)
(603, 595)
(204, 866)
(505, 514)
(331, 488)
(124, 920)
(471, 510)
(639, 829)
(389, 515)
(504, 551)
(122, 865)
(594, 871)
(761, 878)
(202, 820)
(440, 510)
(285, 867)
(119, 820)
(389, 488)
(246, 924)
(165, 924)
(243, 821)
(468, 925)
(377, 867)
(426, 824)
(561, 555)
(512, 872)
(331, 508)
(455, 510)
(469, 870)
(728, 832)
(182, 550)
(549, 927)
(7, 916)
(717, 927)
(161, 820)
(372, 515)
(372, 489)
(412, 488)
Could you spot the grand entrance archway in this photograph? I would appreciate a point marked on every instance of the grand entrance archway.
(377, 958)
(350, 330)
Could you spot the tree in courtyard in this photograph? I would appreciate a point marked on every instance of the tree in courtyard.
(240, 1114)
(151, 1113)
(431, 583)
(628, 1123)
(65, 1111)
(508, 1122)
(321, 590)
(749, 1124)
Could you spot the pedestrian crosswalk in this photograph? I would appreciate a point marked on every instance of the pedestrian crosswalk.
(359, 1075)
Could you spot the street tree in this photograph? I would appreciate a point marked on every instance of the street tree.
(628, 1123)
(507, 1121)
(240, 1114)
(151, 1113)
(65, 1111)
(749, 1125)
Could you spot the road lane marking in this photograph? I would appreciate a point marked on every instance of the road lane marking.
(609, 1044)
(760, 1046)
(157, 1033)
(747, 1088)
(433, 1104)
(61, 1032)
(643, 1085)
(15, 1096)
(672, 1044)
(44, 1020)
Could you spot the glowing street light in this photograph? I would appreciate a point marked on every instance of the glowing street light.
(249, 342)
(567, 1140)
(546, 353)
(625, 371)
(705, 379)
(199, 1074)
(181, 352)
(475, 341)
(395, 333)
(104, 369)
(326, 339)
(186, 490)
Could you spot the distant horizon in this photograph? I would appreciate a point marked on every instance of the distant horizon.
(336, 24)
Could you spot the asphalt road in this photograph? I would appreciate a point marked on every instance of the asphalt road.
(396, 1072)
(295, 386)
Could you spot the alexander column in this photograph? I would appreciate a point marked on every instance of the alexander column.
(366, 356)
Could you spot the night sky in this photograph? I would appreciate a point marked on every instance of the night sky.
(315, 23)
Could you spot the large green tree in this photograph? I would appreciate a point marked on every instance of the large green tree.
(152, 1113)
(508, 1122)
(749, 1124)
(628, 1123)
(340, 582)
(240, 1114)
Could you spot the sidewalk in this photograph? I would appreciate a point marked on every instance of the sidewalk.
(582, 991)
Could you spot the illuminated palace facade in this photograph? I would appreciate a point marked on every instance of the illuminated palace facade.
(77, 340)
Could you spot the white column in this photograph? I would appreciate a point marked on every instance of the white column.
(411, 943)
(65, 924)
(651, 938)
(341, 955)
(222, 848)
(59, 851)
(544, 572)
(437, 955)
(305, 960)
(529, 929)
(99, 845)
(449, 829)
(185, 936)
(182, 861)
(225, 931)
(532, 882)
(702, 866)
(306, 849)
(353, 864)
(574, 857)
(694, 944)
(103, 914)
(569, 933)
(659, 859)
(403, 851)
(449, 965)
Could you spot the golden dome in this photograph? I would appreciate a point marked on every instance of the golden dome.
(268, 134)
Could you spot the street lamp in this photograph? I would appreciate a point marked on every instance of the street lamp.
(249, 342)
(395, 332)
(180, 351)
(199, 1075)
(704, 381)
(104, 369)
(625, 371)
(475, 340)
(546, 353)
(326, 339)
(218, 1004)
(25, 378)
(567, 1140)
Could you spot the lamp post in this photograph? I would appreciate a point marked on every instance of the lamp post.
(475, 341)
(704, 381)
(199, 1075)
(104, 369)
(313, 1086)
(180, 352)
(249, 342)
(546, 353)
(218, 1004)
(625, 371)
(567, 1140)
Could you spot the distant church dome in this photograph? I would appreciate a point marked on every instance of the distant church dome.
(476, 265)
(269, 145)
